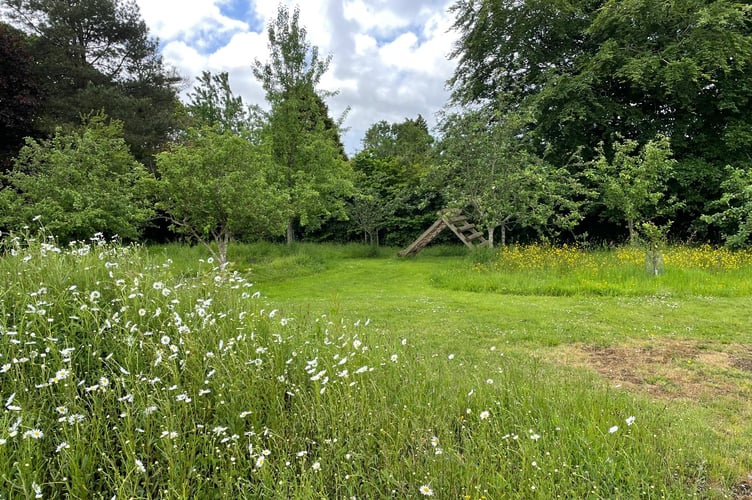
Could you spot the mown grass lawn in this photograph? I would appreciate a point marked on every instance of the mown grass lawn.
(319, 371)
(670, 339)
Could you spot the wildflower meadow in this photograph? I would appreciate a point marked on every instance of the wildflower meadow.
(127, 372)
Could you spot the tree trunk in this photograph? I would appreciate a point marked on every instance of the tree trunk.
(632, 232)
(490, 237)
(503, 235)
(290, 233)
(222, 243)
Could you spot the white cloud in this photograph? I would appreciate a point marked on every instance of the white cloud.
(389, 56)
(170, 19)
(371, 18)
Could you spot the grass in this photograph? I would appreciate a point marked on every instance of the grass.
(319, 371)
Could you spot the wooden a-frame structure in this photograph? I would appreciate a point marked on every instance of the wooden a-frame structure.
(460, 226)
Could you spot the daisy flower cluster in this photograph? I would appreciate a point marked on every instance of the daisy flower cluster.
(120, 373)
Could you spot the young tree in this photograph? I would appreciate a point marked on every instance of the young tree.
(488, 167)
(215, 186)
(216, 183)
(633, 184)
(80, 183)
(733, 212)
(311, 167)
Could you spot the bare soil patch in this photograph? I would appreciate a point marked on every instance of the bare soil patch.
(668, 369)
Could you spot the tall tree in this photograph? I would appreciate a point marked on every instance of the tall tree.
(312, 168)
(593, 69)
(98, 55)
(20, 94)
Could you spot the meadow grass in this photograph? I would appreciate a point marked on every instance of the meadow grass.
(318, 371)
(567, 270)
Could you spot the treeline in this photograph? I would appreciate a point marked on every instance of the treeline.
(577, 120)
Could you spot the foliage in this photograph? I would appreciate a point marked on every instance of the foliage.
(19, 94)
(213, 103)
(633, 184)
(79, 183)
(489, 168)
(139, 387)
(367, 210)
(408, 142)
(311, 165)
(392, 188)
(97, 55)
(733, 212)
(215, 186)
(590, 70)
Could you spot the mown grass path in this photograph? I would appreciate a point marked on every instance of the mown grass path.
(399, 295)
(661, 346)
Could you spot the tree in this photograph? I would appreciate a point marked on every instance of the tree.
(633, 183)
(392, 173)
(733, 211)
(376, 197)
(589, 70)
(488, 167)
(213, 103)
(97, 55)
(408, 142)
(79, 183)
(215, 186)
(19, 94)
(311, 167)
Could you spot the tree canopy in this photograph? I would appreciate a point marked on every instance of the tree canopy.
(97, 55)
(19, 93)
(306, 148)
(79, 183)
(591, 71)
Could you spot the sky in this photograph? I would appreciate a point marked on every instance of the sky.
(389, 57)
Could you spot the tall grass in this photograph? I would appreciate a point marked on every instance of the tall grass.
(568, 271)
(125, 374)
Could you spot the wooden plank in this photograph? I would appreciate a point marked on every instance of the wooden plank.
(424, 238)
(448, 219)
(458, 233)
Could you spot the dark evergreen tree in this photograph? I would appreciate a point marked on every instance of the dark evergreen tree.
(98, 55)
(19, 94)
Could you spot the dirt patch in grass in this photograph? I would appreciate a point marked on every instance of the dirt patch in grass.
(668, 369)
(706, 373)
